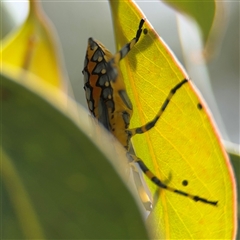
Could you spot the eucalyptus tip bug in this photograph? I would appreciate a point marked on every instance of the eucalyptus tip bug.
(109, 103)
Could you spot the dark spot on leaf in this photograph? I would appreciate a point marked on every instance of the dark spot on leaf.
(184, 182)
(199, 105)
(145, 31)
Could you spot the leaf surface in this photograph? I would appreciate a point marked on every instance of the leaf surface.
(56, 183)
(184, 144)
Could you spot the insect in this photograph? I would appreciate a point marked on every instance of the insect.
(109, 103)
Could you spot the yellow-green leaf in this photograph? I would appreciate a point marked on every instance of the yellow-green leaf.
(33, 48)
(55, 182)
(184, 144)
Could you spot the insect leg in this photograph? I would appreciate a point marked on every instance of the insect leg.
(126, 49)
(111, 68)
(152, 123)
(160, 184)
(137, 177)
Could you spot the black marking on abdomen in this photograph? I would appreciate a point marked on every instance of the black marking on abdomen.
(126, 119)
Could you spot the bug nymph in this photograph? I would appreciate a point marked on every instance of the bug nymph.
(106, 97)
(109, 103)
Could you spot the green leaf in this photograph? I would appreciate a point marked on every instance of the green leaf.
(56, 183)
(202, 12)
